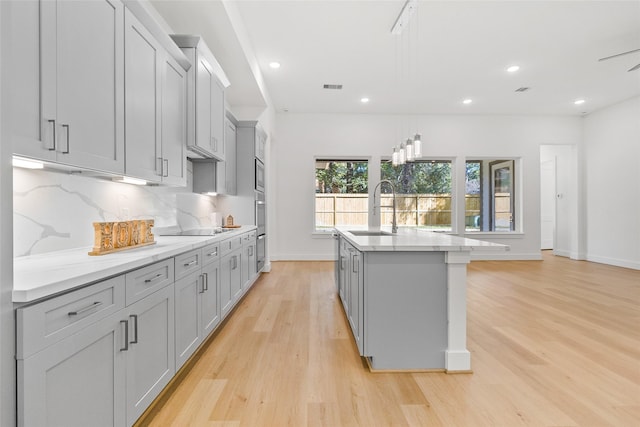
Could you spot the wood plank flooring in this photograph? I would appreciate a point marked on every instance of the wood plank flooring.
(553, 343)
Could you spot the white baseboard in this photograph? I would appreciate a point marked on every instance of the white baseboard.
(635, 265)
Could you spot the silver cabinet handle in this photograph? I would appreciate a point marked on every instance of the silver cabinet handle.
(214, 253)
(206, 281)
(188, 264)
(250, 251)
(67, 128)
(126, 335)
(165, 170)
(201, 279)
(159, 166)
(53, 122)
(156, 277)
(135, 328)
(85, 309)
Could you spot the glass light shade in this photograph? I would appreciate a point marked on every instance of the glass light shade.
(417, 146)
(395, 156)
(402, 156)
(409, 150)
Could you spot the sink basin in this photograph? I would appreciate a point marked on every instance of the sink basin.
(370, 233)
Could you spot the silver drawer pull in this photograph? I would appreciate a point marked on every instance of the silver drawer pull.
(188, 264)
(135, 328)
(213, 253)
(126, 335)
(156, 277)
(87, 308)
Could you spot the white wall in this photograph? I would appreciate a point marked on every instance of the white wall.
(611, 157)
(300, 137)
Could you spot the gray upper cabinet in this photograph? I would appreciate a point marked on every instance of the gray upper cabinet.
(226, 171)
(206, 83)
(69, 69)
(155, 107)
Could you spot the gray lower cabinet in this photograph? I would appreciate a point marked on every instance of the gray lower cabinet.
(197, 308)
(351, 289)
(150, 354)
(230, 273)
(88, 358)
(99, 355)
(78, 381)
(249, 266)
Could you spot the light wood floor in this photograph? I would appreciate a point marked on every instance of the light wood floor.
(553, 343)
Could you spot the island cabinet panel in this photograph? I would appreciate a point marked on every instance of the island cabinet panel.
(405, 310)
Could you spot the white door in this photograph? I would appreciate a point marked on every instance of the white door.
(547, 203)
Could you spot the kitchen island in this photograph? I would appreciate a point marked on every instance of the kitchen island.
(404, 295)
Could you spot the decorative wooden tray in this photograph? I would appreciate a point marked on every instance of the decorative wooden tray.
(118, 236)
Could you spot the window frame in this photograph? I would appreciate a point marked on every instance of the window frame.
(328, 232)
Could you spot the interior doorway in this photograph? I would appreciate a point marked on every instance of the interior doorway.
(557, 195)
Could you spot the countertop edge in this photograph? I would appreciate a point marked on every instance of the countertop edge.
(36, 286)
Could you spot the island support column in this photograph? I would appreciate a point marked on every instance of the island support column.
(457, 357)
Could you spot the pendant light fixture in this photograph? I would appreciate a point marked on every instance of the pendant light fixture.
(411, 149)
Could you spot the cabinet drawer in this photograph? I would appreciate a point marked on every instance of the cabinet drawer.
(43, 324)
(249, 237)
(230, 245)
(188, 263)
(210, 253)
(147, 280)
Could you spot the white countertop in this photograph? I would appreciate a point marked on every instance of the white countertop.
(39, 276)
(413, 239)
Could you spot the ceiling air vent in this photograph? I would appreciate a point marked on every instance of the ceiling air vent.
(522, 89)
(337, 87)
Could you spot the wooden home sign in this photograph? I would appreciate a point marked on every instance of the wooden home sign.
(121, 235)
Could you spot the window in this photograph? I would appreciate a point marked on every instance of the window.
(490, 195)
(423, 194)
(341, 193)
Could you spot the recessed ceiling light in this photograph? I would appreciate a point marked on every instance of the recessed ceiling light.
(513, 68)
(579, 101)
(274, 65)
(364, 100)
(467, 101)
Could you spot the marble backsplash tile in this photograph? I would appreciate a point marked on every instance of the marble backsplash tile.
(55, 211)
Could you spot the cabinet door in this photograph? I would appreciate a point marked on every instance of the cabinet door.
(261, 142)
(356, 300)
(142, 93)
(187, 315)
(226, 171)
(231, 274)
(204, 104)
(87, 101)
(252, 264)
(174, 123)
(31, 131)
(218, 118)
(79, 381)
(151, 355)
(210, 298)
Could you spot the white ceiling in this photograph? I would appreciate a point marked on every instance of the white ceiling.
(452, 50)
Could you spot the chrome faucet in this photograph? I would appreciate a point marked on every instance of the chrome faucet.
(394, 223)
